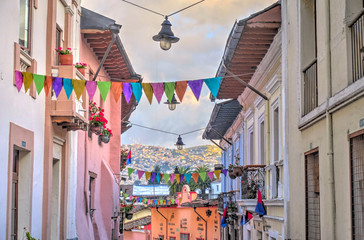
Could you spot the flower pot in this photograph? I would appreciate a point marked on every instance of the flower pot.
(129, 216)
(104, 138)
(97, 129)
(66, 59)
(237, 171)
(82, 71)
(231, 174)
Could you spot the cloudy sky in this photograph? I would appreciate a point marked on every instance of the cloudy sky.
(203, 31)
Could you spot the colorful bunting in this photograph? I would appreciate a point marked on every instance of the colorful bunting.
(181, 87)
(172, 178)
(196, 87)
(211, 175)
(217, 173)
(91, 89)
(18, 80)
(158, 177)
(158, 90)
(116, 89)
(224, 171)
(177, 177)
(148, 91)
(172, 201)
(213, 84)
(39, 82)
(27, 80)
(147, 175)
(78, 87)
(140, 174)
(57, 85)
(152, 177)
(169, 90)
(188, 177)
(48, 84)
(195, 177)
(127, 91)
(137, 91)
(104, 88)
(203, 176)
(166, 177)
(68, 88)
(130, 171)
(181, 178)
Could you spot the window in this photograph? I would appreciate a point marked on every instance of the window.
(357, 186)
(91, 189)
(25, 19)
(309, 55)
(58, 42)
(14, 196)
(161, 237)
(184, 236)
(251, 146)
(275, 129)
(172, 238)
(357, 48)
(313, 230)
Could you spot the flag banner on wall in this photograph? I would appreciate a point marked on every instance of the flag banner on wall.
(104, 87)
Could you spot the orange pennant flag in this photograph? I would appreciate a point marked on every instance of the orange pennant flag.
(195, 177)
(180, 89)
(48, 84)
(147, 175)
(217, 173)
(116, 89)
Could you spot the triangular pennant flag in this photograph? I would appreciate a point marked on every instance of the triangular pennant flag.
(203, 176)
(147, 175)
(217, 173)
(130, 171)
(148, 91)
(127, 92)
(57, 85)
(68, 88)
(39, 82)
(172, 178)
(140, 174)
(152, 176)
(27, 80)
(213, 84)
(196, 86)
(166, 177)
(169, 90)
(188, 177)
(137, 199)
(116, 89)
(104, 88)
(78, 87)
(195, 177)
(172, 201)
(177, 177)
(91, 89)
(145, 200)
(137, 91)
(224, 171)
(48, 84)
(180, 88)
(158, 177)
(130, 198)
(211, 175)
(148, 201)
(167, 202)
(18, 80)
(181, 178)
(158, 90)
(126, 195)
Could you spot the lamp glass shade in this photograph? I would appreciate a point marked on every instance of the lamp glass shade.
(179, 143)
(179, 147)
(171, 106)
(165, 44)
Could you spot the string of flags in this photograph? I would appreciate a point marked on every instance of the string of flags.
(178, 177)
(117, 88)
(152, 201)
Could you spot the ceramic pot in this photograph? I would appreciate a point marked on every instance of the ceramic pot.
(231, 174)
(82, 71)
(104, 138)
(66, 59)
(129, 216)
(238, 171)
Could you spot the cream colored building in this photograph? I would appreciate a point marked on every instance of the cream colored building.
(322, 79)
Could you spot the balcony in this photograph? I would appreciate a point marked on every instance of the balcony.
(68, 113)
(310, 92)
(357, 47)
(227, 197)
(253, 177)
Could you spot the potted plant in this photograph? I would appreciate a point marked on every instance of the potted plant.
(81, 67)
(123, 157)
(65, 56)
(231, 171)
(105, 135)
(237, 169)
(126, 208)
(97, 120)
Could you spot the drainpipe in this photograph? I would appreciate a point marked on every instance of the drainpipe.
(85, 173)
(330, 151)
(194, 209)
(166, 221)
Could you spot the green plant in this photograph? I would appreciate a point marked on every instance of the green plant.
(106, 132)
(125, 207)
(80, 65)
(230, 168)
(60, 51)
(97, 117)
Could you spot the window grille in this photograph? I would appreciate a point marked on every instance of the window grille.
(310, 93)
(357, 48)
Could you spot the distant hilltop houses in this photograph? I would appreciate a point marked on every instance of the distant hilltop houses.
(145, 157)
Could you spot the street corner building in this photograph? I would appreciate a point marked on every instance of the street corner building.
(60, 176)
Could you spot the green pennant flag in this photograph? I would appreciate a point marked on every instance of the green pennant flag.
(130, 171)
(145, 200)
(169, 90)
(104, 88)
(126, 195)
(172, 201)
(166, 177)
(39, 82)
(203, 176)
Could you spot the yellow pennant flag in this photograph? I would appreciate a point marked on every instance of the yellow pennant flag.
(177, 177)
(78, 87)
(147, 175)
(148, 90)
(116, 89)
(217, 173)
(27, 80)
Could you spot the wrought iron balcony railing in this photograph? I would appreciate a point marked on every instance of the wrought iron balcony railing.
(252, 179)
(357, 47)
(227, 197)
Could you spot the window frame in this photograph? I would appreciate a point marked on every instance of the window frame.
(28, 49)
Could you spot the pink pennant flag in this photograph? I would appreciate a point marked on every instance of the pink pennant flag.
(148, 201)
(171, 178)
(211, 175)
(18, 80)
(158, 89)
(196, 86)
(91, 88)
(130, 198)
(140, 174)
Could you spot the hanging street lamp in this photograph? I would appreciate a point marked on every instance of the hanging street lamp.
(179, 143)
(166, 36)
(173, 103)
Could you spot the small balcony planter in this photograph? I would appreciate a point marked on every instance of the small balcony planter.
(97, 129)
(231, 174)
(237, 170)
(66, 59)
(81, 67)
(129, 216)
(104, 138)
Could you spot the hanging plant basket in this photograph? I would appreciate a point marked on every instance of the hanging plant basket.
(66, 59)
(238, 171)
(231, 174)
(97, 129)
(104, 138)
(129, 216)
